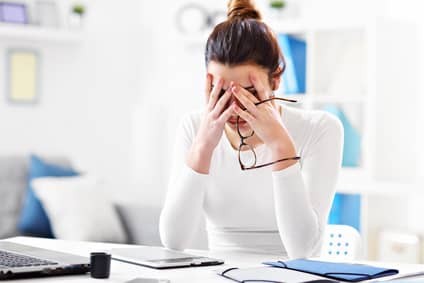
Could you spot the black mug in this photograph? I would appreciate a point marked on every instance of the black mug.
(100, 265)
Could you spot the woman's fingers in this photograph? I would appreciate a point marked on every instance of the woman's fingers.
(214, 94)
(227, 114)
(244, 100)
(244, 115)
(259, 86)
(249, 95)
(208, 87)
(220, 105)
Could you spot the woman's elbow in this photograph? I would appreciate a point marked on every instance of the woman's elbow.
(301, 249)
(169, 234)
(300, 252)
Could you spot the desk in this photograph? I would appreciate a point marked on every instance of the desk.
(121, 272)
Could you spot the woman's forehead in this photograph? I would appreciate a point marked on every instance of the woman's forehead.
(238, 74)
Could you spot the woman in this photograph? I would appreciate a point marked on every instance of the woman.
(282, 203)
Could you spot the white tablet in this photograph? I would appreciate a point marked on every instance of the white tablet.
(161, 258)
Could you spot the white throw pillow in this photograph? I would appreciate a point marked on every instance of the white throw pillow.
(78, 209)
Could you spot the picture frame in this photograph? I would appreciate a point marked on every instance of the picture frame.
(14, 13)
(22, 76)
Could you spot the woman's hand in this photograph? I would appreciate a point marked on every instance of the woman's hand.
(265, 120)
(211, 126)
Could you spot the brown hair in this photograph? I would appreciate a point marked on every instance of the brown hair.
(244, 39)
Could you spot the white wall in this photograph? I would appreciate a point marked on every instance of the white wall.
(87, 94)
(172, 80)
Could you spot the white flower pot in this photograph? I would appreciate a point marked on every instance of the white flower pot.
(75, 20)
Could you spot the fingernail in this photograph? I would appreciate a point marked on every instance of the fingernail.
(234, 89)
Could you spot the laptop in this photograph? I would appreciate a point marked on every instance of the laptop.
(21, 261)
(161, 258)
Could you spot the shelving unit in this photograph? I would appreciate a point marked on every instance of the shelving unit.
(349, 65)
(39, 34)
(338, 73)
(328, 55)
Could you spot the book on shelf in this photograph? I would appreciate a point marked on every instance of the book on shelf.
(294, 52)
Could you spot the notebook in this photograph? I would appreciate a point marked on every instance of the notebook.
(270, 274)
(336, 271)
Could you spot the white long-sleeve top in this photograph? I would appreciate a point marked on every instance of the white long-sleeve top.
(282, 212)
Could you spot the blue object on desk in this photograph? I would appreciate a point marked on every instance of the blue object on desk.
(338, 271)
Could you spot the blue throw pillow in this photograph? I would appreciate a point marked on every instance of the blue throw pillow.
(34, 220)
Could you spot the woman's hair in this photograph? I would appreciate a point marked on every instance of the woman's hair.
(244, 39)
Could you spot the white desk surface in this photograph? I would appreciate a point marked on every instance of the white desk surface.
(122, 272)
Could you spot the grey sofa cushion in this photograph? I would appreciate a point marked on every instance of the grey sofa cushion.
(141, 223)
(13, 184)
(13, 181)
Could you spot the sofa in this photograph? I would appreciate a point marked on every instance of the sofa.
(140, 222)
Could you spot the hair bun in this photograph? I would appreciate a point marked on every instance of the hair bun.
(242, 9)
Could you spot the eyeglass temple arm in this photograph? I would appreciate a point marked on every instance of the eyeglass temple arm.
(268, 164)
(276, 98)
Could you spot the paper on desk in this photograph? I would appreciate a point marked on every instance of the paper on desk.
(404, 278)
(268, 273)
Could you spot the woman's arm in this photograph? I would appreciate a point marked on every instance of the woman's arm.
(303, 196)
(192, 156)
(184, 201)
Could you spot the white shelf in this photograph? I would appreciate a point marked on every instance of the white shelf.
(38, 34)
(387, 189)
(357, 180)
(318, 98)
(353, 175)
(303, 26)
(337, 99)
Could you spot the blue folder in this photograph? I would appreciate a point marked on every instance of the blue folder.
(352, 137)
(294, 52)
(290, 82)
(338, 271)
(298, 53)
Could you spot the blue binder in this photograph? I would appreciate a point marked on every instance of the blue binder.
(338, 271)
(352, 138)
(298, 53)
(289, 77)
(294, 51)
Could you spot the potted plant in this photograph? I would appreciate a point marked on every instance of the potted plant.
(78, 9)
(277, 4)
(77, 15)
(277, 7)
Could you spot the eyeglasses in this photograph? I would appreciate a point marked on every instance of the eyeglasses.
(248, 149)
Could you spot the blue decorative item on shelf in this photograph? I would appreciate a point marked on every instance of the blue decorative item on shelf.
(298, 53)
(294, 52)
(346, 210)
(15, 13)
(352, 138)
